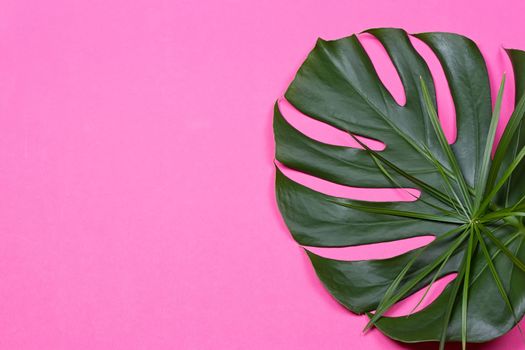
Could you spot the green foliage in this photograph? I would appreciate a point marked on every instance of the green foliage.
(472, 204)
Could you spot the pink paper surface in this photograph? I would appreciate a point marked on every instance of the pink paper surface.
(136, 169)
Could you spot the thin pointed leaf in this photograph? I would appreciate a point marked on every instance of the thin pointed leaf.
(400, 213)
(505, 250)
(450, 306)
(505, 141)
(430, 189)
(482, 181)
(466, 285)
(444, 144)
(494, 273)
(508, 172)
(409, 285)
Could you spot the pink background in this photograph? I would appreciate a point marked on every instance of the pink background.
(136, 170)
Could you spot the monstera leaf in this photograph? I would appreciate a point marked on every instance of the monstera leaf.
(471, 202)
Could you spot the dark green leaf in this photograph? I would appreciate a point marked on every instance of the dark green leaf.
(472, 205)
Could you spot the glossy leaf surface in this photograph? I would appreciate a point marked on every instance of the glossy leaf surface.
(472, 204)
